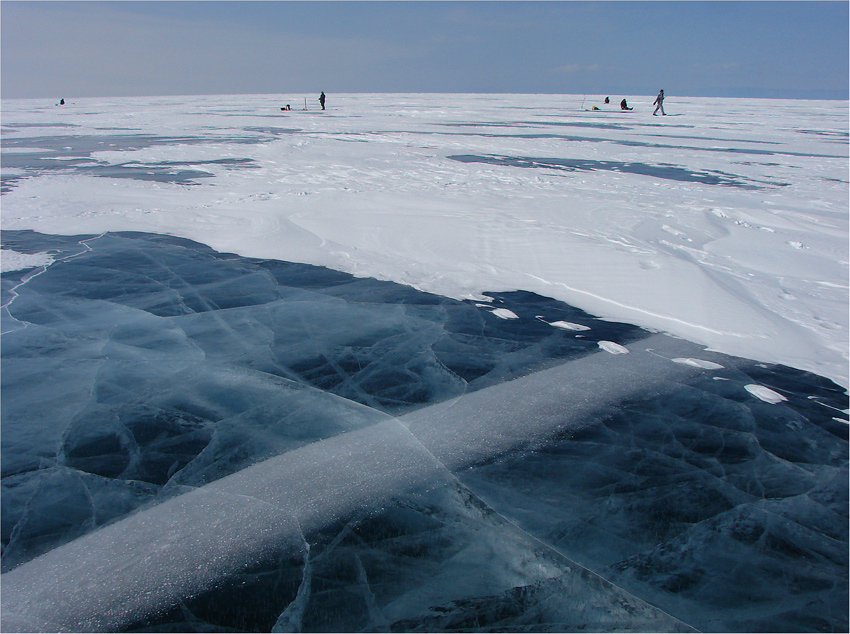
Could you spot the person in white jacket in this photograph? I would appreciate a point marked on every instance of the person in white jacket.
(660, 101)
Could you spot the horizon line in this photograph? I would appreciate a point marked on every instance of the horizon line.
(667, 93)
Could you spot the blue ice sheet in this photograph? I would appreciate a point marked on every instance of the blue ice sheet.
(552, 486)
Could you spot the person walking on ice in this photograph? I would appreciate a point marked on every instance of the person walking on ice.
(322, 99)
(660, 101)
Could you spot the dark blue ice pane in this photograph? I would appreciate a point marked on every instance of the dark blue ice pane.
(137, 367)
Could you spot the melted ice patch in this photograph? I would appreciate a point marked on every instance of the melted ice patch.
(14, 261)
(698, 363)
(764, 393)
(613, 348)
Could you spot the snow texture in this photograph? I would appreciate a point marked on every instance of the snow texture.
(613, 348)
(567, 325)
(765, 394)
(700, 363)
(504, 313)
(725, 223)
(14, 261)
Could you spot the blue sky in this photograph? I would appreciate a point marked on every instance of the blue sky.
(722, 49)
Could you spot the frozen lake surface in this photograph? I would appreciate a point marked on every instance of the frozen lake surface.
(725, 223)
(401, 365)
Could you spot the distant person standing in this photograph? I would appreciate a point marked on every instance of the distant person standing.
(322, 99)
(659, 101)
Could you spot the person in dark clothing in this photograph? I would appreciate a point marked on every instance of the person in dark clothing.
(624, 105)
(607, 100)
(659, 104)
(62, 102)
(322, 99)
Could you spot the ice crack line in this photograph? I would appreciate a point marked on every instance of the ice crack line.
(541, 543)
(571, 562)
(39, 271)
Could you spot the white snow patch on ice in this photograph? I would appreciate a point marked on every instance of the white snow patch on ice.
(613, 348)
(504, 313)
(567, 325)
(14, 261)
(765, 393)
(699, 363)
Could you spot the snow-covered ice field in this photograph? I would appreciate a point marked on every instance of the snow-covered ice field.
(725, 223)
(424, 362)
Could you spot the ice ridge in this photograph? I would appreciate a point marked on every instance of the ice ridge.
(424, 463)
(141, 565)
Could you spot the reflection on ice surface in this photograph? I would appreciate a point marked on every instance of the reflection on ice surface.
(244, 408)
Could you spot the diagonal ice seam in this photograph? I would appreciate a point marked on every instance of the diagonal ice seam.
(153, 559)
